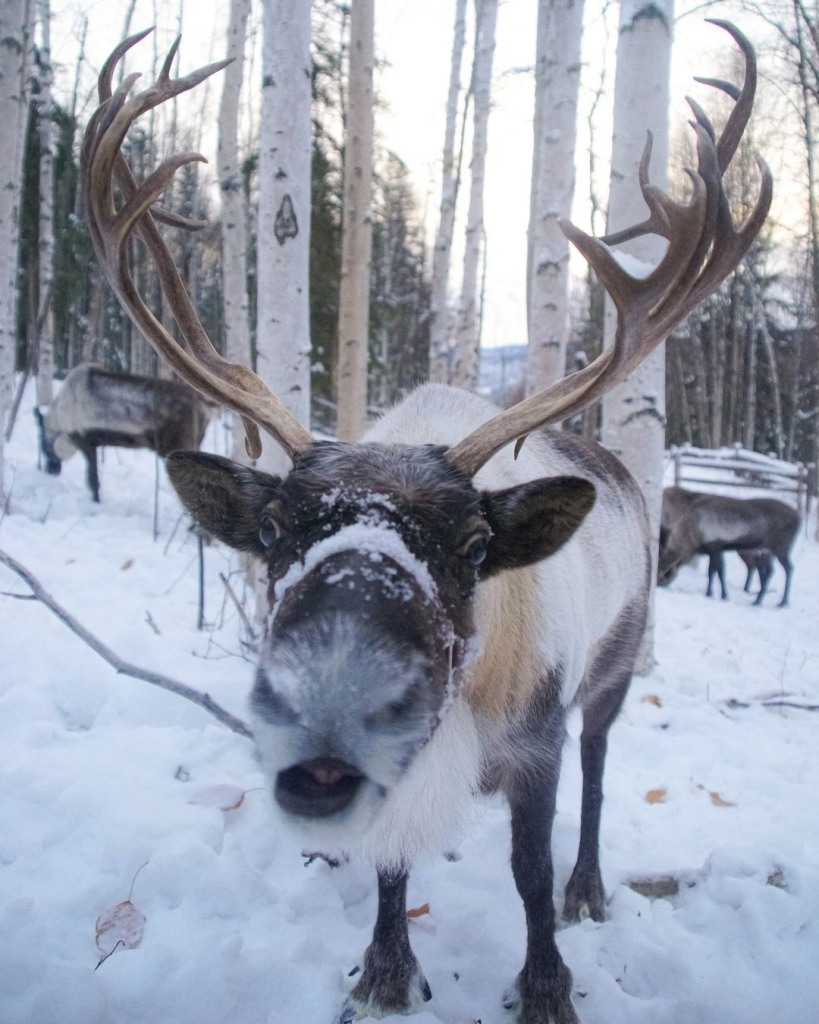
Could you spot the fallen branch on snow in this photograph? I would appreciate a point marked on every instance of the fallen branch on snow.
(203, 700)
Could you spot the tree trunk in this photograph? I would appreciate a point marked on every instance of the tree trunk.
(634, 412)
(439, 327)
(234, 237)
(557, 82)
(467, 354)
(283, 311)
(14, 49)
(357, 230)
(45, 333)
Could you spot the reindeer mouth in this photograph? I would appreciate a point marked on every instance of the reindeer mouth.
(317, 788)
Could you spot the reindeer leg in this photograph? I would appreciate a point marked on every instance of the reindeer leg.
(91, 475)
(543, 987)
(391, 981)
(787, 565)
(721, 573)
(585, 896)
(713, 570)
(765, 578)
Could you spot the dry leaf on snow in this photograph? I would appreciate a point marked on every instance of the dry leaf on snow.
(656, 796)
(652, 698)
(122, 925)
(716, 799)
(418, 911)
(126, 564)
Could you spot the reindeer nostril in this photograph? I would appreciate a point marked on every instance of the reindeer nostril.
(317, 788)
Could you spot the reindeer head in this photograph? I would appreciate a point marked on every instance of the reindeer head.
(374, 551)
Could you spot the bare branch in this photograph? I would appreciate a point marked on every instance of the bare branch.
(203, 700)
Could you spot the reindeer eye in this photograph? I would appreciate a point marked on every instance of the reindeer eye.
(476, 552)
(269, 531)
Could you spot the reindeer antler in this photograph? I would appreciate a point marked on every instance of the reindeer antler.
(231, 384)
(704, 246)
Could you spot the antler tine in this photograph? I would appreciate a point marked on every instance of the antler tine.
(228, 383)
(704, 246)
(104, 87)
(657, 221)
(744, 101)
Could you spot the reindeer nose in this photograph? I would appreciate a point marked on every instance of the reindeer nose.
(317, 788)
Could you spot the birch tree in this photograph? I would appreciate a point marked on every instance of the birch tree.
(634, 412)
(557, 83)
(439, 329)
(283, 313)
(234, 234)
(14, 27)
(44, 326)
(467, 356)
(356, 238)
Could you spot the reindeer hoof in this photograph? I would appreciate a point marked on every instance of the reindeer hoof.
(548, 1001)
(377, 998)
(585, 897)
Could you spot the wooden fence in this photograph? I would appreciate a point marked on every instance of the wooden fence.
(739, 467)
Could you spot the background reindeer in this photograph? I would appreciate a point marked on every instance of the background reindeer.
(710, 524)
(436, 605)
(676, 503)
(96, 408)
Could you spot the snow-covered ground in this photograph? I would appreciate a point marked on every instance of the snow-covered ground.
(102, 774)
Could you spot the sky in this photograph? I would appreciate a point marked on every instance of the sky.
(413, 43)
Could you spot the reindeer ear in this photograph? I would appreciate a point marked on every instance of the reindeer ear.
(532, 521)
(225, 498)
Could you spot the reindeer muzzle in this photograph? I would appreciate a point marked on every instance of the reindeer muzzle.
(318, 788)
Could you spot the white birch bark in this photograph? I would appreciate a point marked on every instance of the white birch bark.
(234, 235)
(439, 327)
(634, 412)
(45, 321)
(557, 83)
(283, 310)
(357, 229)
(14, 46)
(467, 355)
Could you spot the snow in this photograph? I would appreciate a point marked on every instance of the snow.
(374, 536)
(101, 774)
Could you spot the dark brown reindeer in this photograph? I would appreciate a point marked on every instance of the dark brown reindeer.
(710, 524)
(676, 502)
(96, 409)
(436, 605)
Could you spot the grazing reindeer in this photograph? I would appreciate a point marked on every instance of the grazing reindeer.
(676, 503)
(436, 606)
(709, 524)
(95, 409)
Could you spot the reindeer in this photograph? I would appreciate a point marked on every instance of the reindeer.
(436, 606)
(95, 408)
(710, 524)
(676, 503)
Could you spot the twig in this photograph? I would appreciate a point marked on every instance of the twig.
(18, 597)
(173, 533)
(238, 605)
(203, 700)
(7, 502)
(150, 620)
(200, 611)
